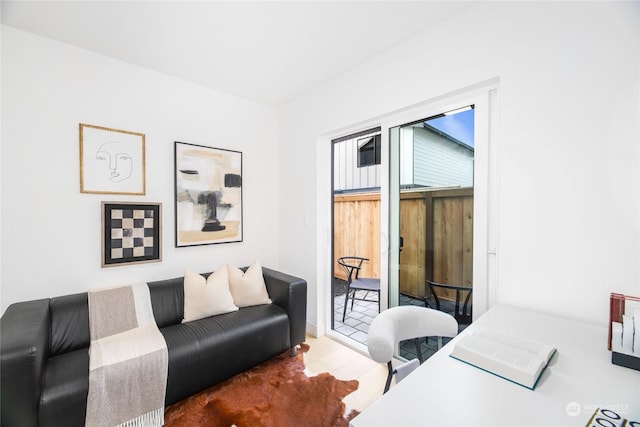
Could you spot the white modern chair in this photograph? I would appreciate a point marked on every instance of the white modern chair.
(404, 323)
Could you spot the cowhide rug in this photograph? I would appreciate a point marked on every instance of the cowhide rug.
(276, 393)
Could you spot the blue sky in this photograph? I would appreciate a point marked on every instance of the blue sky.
(459, 126)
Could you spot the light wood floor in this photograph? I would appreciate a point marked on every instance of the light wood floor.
(328, 355)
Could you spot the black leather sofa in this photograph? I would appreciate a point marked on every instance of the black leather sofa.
(44, 344)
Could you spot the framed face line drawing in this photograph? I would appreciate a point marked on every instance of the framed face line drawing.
(112, 161)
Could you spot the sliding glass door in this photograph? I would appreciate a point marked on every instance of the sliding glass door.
(356, 243)
(415, 195)
(431, 216)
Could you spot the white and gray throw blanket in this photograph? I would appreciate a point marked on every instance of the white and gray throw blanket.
(128, 359)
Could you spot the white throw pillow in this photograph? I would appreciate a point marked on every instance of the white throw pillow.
(248, 288)
(207, 297)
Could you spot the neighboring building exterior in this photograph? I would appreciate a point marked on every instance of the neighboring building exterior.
(348, 172)
(429, 158)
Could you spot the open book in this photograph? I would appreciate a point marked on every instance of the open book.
(508, 356)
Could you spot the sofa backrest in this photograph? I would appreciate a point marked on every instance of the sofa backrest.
(69, 323)
(70, 314)
(167, 300)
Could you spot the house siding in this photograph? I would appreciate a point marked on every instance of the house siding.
(428, 159)
(346, 173)
(440, 162)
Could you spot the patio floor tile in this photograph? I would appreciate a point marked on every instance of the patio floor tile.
(357, 321)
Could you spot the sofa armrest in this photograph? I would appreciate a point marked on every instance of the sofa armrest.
(290, 293)
(24, 345)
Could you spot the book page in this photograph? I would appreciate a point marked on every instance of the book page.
(636, 333)
(616, 336)
(627, 333)
(511, 363)
(502, 353)
(632, 309)
(539, 350)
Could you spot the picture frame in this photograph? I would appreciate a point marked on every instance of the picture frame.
(208, 195)
(112, 161)
(131, 233)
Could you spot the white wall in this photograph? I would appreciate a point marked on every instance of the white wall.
(568, 146)
(51, 231)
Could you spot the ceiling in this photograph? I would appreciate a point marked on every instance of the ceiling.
(269, 52)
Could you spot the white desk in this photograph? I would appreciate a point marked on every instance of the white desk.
(579, 379)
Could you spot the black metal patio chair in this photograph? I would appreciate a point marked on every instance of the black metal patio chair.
(462, 314)
(352, 266)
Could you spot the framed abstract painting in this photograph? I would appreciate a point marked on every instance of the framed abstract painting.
(112, 161)
(131, 233)
(208, 195)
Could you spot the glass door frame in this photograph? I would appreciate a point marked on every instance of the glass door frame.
(484, 97)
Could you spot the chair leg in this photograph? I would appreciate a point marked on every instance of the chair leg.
(389, 377)
(346, 302)
(353, 298)
(418, 350)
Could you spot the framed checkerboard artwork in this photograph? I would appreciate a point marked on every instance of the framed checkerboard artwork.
(131, 233)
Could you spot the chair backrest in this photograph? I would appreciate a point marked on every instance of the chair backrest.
(351, 266)
(463, 314)
(406, 322)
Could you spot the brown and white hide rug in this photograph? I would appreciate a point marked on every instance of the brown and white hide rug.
(277, 393)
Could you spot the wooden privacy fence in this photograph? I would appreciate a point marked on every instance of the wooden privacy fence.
(437, 230)
(356, 231)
